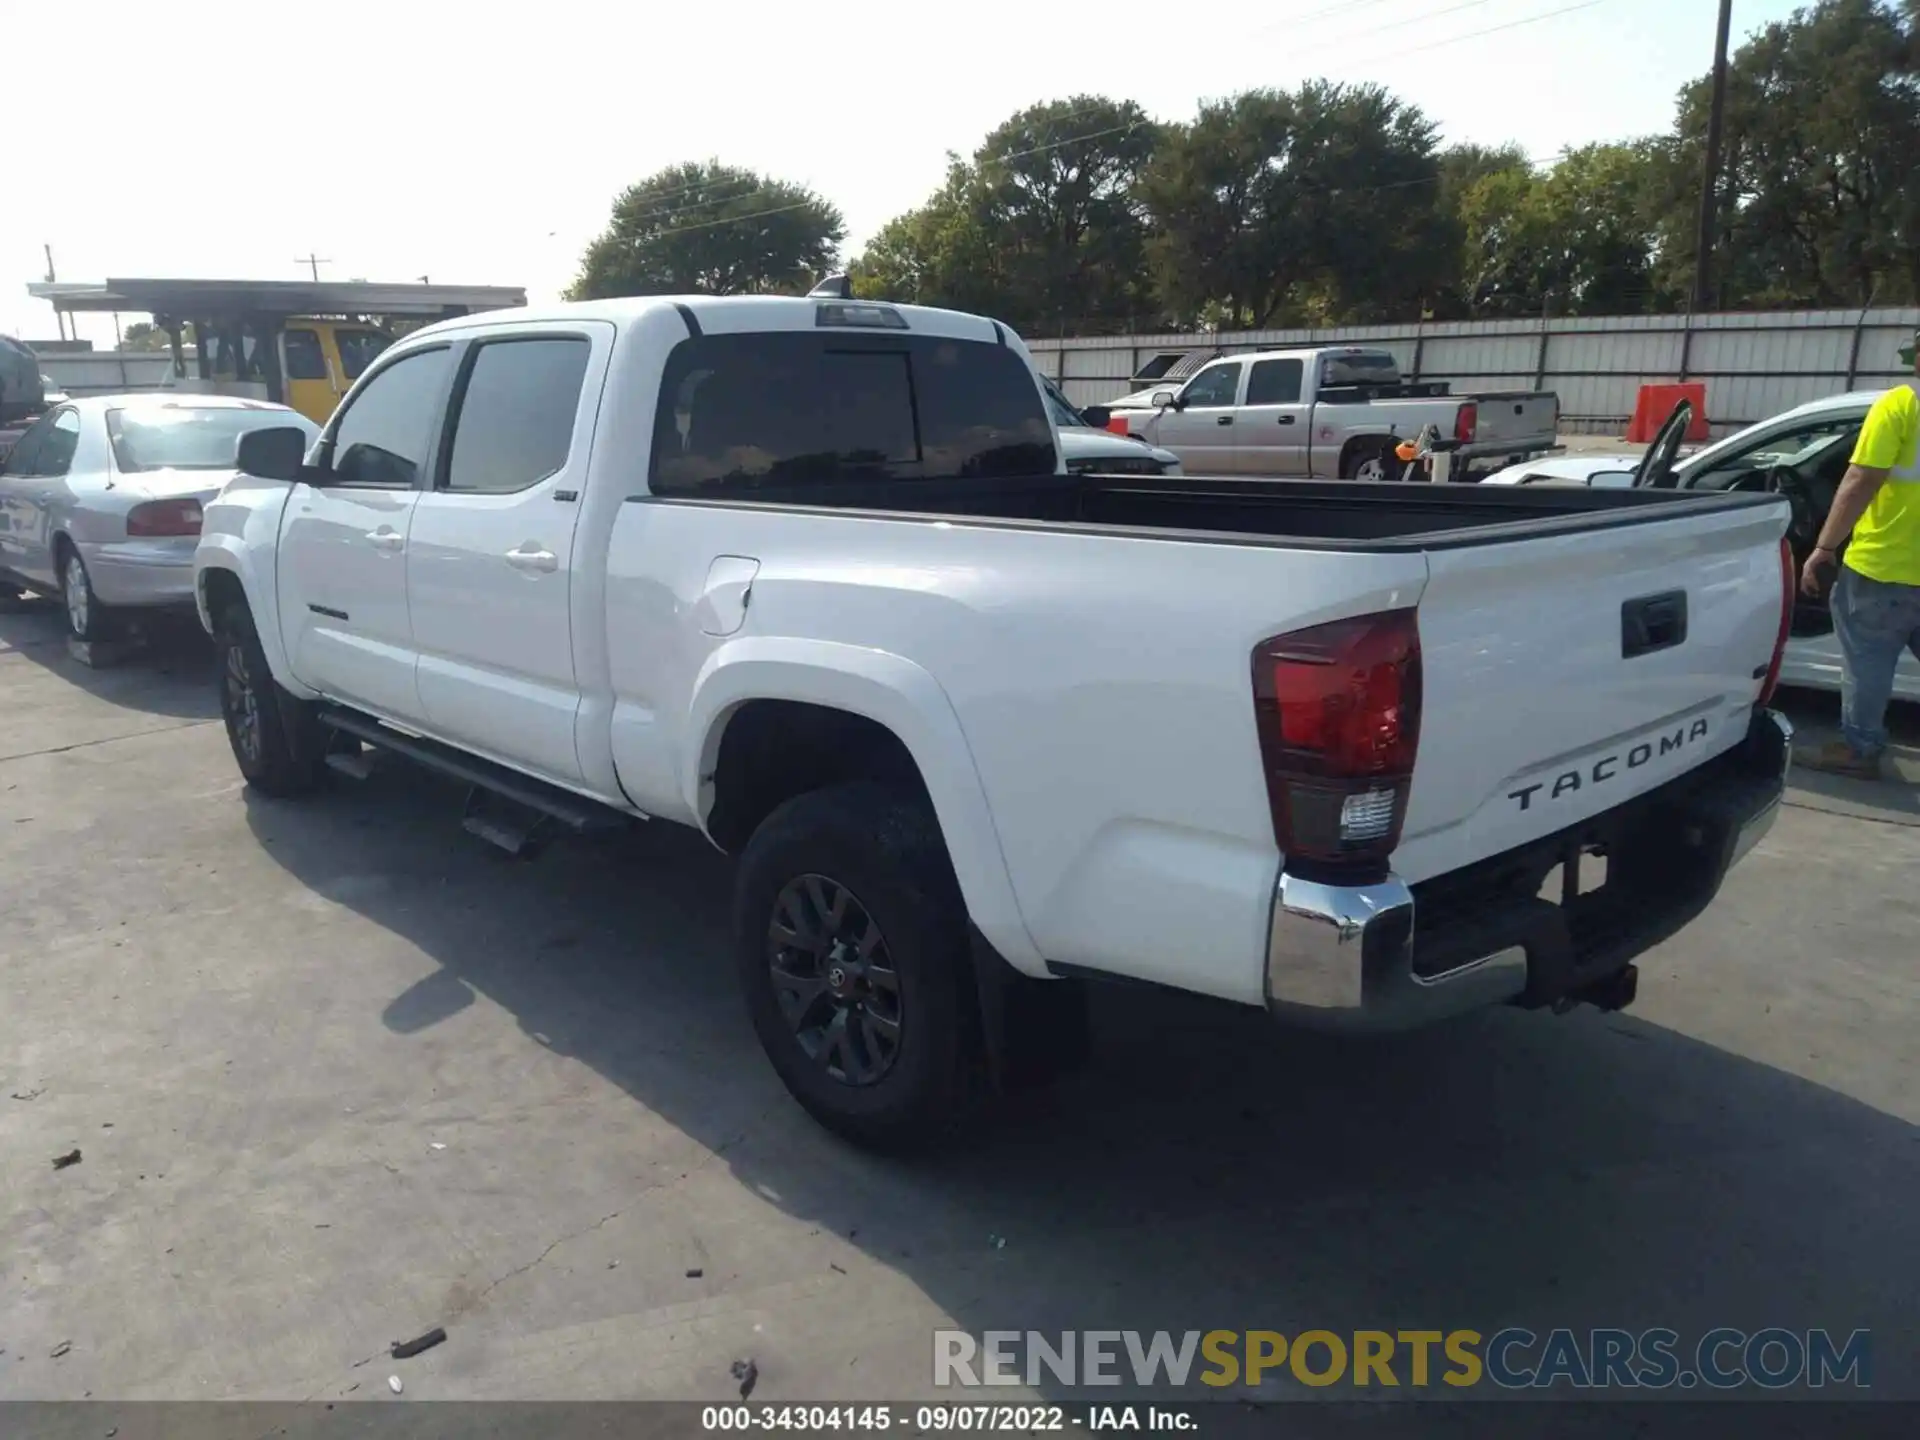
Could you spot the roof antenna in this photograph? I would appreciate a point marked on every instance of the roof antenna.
(836, 286)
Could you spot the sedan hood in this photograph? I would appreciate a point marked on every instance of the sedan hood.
(1560, 470)
(1083, 444)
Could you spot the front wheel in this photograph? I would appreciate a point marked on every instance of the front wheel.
(276, 738)
(851, 941)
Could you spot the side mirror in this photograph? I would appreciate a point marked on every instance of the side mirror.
(1097, 415)
(272, 454)
(1611, 479)
(1164, 398)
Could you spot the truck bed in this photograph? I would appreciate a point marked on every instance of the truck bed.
(1300, 514)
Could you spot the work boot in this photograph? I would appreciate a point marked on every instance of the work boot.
(1837, 757)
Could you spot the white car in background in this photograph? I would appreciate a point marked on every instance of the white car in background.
(1087, 449)
(1802, 454)
(101, 499)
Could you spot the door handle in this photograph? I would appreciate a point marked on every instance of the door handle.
(534, 560)
(1224, 420)
(386, 538)
(1283, 419)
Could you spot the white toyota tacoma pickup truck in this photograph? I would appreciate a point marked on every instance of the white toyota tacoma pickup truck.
(807, 574)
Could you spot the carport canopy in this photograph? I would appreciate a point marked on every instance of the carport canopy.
(234, 310)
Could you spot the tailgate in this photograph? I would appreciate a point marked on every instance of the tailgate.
(1554, 686)
(1514, 417)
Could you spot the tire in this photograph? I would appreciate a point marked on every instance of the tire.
(277, 739)
(87, 618)
(858, 878)
(1372, 462)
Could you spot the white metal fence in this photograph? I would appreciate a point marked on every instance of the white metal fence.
(1752, 364)
(106, 372)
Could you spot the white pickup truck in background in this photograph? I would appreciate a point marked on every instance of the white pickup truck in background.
(1334, 412)
(807, 574)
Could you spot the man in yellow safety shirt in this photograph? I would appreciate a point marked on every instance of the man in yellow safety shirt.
(1876, 591)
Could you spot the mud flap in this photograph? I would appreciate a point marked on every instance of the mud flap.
(1034, 1030)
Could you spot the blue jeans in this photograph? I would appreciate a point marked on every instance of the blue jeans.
(1874, 621)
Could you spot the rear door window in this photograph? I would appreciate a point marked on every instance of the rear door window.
(516, 413)
(60, 446)
(1275, 382)
(742, 412)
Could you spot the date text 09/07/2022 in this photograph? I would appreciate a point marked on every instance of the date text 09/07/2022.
(941, 1417)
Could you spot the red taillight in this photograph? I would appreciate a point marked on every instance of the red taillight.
(164, 517)
(1338, 712)
(1787, 590)
(1117, 424)
(1466, 420)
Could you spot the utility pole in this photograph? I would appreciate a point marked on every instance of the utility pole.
(1710, 178)
(313, 263)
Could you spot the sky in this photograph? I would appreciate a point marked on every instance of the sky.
(484, 144)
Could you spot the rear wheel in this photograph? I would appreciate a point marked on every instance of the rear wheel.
(277, 740)
(87, 618)
(1372, 461)
(851, 940)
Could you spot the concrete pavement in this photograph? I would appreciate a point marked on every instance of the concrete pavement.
(339, 1074)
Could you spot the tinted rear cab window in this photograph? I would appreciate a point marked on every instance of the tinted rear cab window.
(804, 410)
(516, 413)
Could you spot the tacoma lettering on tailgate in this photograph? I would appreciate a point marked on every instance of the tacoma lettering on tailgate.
(1608, 766)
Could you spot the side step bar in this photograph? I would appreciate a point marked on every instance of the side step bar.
(549, 803)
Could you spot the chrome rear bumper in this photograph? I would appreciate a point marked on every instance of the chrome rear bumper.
(1353, 957)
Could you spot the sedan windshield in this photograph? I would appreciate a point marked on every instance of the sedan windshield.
(181, 437)
(1063, 413)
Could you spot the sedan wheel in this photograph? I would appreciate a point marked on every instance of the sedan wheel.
(84, 615)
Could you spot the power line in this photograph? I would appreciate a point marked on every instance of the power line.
(1129, 128)
(1135, 124)
(1490, 30)
(1348, 9)
(802, 204)
(723, 220)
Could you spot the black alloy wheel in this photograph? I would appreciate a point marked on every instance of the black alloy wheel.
(834, 980)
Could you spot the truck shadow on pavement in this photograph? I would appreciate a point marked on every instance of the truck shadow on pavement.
(1205, 1170)
(168, 667)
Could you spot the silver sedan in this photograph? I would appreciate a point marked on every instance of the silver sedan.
(100, 500)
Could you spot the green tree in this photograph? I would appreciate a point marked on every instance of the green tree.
(1055, 186)
(1222, 205)
(1368, 171)
(1579, 238)
(711, 229)
(939, 254)
(1819, 190)
(1313, 205)
(1040, 227)
(144, 335)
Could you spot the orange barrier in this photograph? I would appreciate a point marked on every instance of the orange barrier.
(1655, 404)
